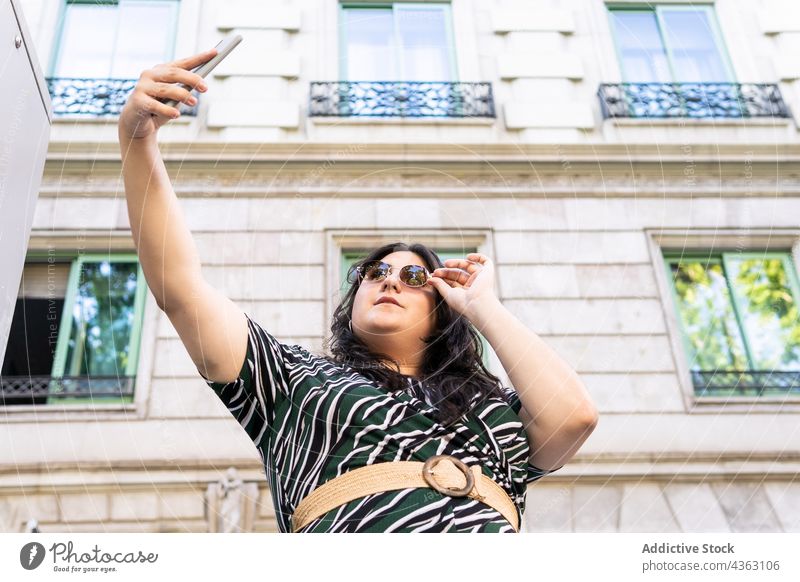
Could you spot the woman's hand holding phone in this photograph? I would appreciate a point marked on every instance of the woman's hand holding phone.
(144, 113)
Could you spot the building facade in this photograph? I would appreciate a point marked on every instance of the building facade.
(632, 169)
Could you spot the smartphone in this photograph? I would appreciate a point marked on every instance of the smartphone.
(224, 48)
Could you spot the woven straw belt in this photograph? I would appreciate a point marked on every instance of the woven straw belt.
(446, 477)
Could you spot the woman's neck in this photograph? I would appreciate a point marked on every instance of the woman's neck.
(405, 369)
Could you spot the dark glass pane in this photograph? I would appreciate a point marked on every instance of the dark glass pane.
(102, 319)
(32, 338)
(769, 312)
(708, 318)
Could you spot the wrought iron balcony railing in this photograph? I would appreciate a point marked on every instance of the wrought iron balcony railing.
(400, 99)
(745, 383)
(38, 389)
(693, 100)
(95, 97)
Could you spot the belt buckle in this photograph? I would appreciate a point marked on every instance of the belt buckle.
(427, 474)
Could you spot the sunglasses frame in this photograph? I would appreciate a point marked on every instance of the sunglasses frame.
(360, 272)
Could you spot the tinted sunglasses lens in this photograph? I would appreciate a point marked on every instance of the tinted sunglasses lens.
(353, 274)
(413, 276)
(374, 271)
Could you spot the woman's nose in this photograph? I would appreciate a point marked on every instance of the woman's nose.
(392, 279)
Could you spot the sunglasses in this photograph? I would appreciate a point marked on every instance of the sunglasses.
(410, 275)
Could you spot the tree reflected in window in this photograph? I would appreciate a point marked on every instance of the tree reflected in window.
(740, 322)
(102, 319)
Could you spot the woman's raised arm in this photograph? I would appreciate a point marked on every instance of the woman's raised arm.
(212, 328)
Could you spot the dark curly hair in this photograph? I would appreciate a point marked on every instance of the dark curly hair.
(452, 370)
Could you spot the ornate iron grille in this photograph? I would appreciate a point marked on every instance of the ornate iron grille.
(37, 389)
(400, 99)
(745, 383)
(695, 100)
(96, 97)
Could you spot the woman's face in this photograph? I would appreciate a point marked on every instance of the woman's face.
(386, 323)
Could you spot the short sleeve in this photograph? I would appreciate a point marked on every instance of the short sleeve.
(532, 473)
(263, 383)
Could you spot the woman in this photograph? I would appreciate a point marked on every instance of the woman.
(402, 428)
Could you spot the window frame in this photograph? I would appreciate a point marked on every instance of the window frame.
(140, 300)
(398, 53)
(657, 10)
(65, 244)
(663, 239)
(723, 257)
(59, 362)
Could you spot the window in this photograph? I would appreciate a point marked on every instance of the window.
(107, 39)
(398, 60)
(674, 64)
(739, 320)
(75, 332)
(103, 47)
(397, 42)
(680, 44)
(350, 257)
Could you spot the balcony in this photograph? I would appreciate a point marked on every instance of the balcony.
(691, 100)
(745, 382)
(95, 97)
(400, 99)
(16, 390)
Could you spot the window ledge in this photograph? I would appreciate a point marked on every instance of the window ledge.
(749, 403)
(375, 120)
(703, 122)
(56, 413)
(108, 119)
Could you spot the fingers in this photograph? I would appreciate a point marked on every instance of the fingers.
(469, 266)
(472, 262)
(478, 257)
(195, 60)
(441, 285)
(154, 107)
(166, 91)
(173, 74)
(452, 275)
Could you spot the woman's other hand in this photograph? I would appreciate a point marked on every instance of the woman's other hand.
(143, 113)
(466, 285)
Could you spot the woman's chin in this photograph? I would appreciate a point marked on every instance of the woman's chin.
(384, 326)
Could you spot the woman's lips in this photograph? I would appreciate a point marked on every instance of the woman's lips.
(387, 300)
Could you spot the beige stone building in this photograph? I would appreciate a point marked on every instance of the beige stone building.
(633, 169)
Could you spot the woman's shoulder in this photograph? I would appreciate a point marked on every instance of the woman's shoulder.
(257, 330)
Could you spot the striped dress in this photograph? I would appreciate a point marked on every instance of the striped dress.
(312, 419)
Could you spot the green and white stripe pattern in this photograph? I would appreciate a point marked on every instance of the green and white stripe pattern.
(312, 419)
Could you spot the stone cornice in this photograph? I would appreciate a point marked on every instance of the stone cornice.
(439, 171)
(292, 152)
